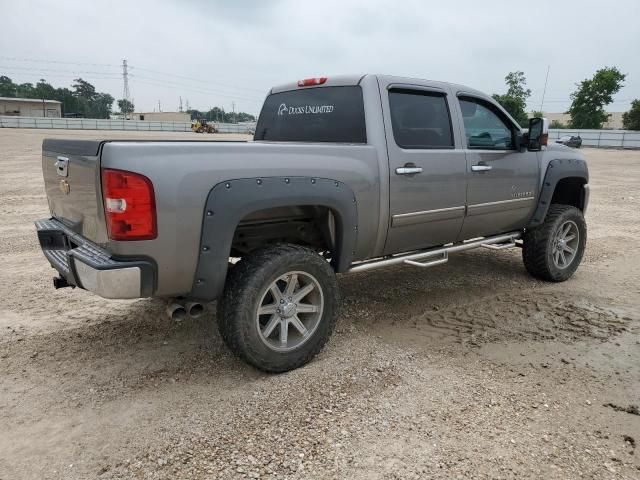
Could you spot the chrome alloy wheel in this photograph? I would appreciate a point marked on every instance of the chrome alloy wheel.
(565, 244)
(289, 311)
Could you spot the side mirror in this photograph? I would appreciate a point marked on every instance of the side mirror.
(538, 133)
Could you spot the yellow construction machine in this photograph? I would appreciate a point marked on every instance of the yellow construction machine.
(203, 126)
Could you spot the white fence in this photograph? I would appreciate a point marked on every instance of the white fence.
(590, 138)
(600, 138)
(99, 124)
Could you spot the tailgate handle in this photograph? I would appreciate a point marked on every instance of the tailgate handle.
(62, 166)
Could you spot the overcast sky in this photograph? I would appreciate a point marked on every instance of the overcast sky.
(219, 52)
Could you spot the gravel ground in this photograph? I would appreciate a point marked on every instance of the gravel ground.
(468, 370)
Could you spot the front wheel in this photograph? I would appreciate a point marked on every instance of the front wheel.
(279, 307)
(553, 251)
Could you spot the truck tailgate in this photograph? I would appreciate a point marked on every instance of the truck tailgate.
(71, 170)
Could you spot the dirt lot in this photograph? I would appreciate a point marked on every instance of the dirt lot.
(468, 370)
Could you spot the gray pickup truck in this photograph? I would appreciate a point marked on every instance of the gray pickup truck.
(344, 174)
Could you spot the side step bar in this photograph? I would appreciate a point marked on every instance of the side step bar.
(498, 242)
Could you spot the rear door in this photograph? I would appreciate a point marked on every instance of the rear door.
(426, 167)
(502, 178)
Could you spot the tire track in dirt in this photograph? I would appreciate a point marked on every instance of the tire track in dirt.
(508, 317)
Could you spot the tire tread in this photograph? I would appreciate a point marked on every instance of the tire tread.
(536, 241)
(244, 283)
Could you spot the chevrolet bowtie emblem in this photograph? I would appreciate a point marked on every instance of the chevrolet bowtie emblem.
(65, 187)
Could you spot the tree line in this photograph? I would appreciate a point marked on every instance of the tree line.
(588, 101)
(217, 114)
(81, 99)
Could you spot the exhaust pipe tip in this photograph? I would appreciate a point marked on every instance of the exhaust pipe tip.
(176, 312)
(194, 309)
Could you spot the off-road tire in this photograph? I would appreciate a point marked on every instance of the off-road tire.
(237, 308)
(538, 244)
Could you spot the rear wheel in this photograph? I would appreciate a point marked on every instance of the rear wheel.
(279, 307)
(553, 251)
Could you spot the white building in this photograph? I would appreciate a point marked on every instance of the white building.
(29, 107)
(614, 121)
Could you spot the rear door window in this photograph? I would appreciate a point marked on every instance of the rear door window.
(323, 114)
(420, 119)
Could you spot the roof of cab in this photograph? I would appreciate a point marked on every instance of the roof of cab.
(355, 79)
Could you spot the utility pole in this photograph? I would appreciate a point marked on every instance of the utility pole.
(125, 88)
(44, 109)
(545, 88)
(233, 107)
(180, 108)
(159, 106)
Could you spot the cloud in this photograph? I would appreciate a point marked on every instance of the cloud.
(219, 52)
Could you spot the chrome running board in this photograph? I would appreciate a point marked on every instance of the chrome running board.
(498, 242)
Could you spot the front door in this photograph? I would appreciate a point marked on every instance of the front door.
(502, 179)
(427, 184)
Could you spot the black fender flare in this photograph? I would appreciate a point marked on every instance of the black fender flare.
(230, 201)
(556, 170)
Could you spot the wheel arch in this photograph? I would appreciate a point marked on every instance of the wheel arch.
(565, 182)
(230, 202)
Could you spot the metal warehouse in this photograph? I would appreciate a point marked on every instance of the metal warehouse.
(29, 107)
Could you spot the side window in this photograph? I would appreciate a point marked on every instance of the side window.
(420, 119)
(484, 128)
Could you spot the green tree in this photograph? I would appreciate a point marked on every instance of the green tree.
(557, 124)
(125, 106)
(631, 119)
(7, 87)
(592, 95)
(218, 114)
(25, 90)
(537, 114)
(99, 106)
(44, 90)
(84, 89)
(515, 100)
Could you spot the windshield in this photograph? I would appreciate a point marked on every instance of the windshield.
(324, 114)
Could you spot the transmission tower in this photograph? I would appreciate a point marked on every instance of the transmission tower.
(125, 87)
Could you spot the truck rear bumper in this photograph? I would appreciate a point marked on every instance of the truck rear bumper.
(83, 264)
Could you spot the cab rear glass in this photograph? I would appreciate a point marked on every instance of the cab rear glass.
(322, 114)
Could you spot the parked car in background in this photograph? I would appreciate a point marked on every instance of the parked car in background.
(574, 141)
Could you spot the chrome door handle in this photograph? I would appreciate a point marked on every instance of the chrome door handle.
(480, 168)
(408, 170)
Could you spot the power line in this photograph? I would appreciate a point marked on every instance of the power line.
(55, 75)
(160, 83)
(47, 70)
(183, 77)
(34, 60)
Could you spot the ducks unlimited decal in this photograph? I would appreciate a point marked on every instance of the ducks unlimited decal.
(304, 110)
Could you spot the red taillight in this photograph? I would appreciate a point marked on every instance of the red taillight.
(309, 82)
(129, 205)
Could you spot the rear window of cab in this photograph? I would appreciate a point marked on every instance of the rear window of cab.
(321, 114)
